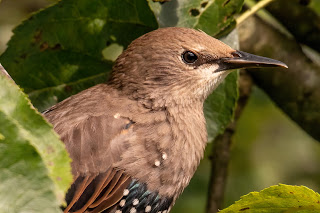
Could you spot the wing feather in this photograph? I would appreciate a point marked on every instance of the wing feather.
(80, 189)
(95, 142)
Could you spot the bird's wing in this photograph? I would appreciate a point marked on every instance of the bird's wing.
(94, 144)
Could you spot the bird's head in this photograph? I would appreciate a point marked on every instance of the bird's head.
(178, 66)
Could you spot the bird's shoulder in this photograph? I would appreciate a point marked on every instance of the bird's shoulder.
(100, 100)
(96, 125)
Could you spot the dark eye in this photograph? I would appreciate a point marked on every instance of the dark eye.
(189, 57)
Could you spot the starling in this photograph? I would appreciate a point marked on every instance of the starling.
(136, 141)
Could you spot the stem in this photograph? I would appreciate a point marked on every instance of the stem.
(253, 10)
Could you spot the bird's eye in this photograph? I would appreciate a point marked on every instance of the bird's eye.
(189, 57)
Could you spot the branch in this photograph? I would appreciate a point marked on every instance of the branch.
(251, 11)
(296, 90)
(299, 19)
(221, 150)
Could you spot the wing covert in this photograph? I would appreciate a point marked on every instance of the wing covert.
(94, 144)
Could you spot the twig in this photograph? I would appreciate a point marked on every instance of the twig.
(221, 150)
(253, 10)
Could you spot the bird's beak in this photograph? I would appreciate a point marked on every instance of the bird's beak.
(246, 60)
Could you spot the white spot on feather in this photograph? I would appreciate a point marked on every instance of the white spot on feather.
(122, 202)
(133, 210)
(117, 115)
(157, 163)
(148, 209)
(135, 202)
(164, 156)
(125, 192)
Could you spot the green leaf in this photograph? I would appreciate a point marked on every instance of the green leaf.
(219, 106)
(213, 17)
(278, 199)
(60, 51)
(35, 170)
(315, 5)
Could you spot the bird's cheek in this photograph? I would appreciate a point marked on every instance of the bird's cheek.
(209, 81)
(207, 73)
(219, 76)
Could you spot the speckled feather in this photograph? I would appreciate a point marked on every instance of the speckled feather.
(144, 131)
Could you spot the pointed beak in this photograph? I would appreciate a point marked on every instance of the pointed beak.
(246, 60)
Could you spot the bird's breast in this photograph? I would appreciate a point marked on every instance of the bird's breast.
(166, 153)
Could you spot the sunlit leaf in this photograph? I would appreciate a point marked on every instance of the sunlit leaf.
(278, 199)
(35, 169)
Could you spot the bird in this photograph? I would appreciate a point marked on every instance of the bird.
(136, 140)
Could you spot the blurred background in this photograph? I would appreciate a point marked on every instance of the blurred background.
(268, 148)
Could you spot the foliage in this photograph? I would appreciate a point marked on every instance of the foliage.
(315, 5)
(59, 51)
(35, 167)
(278, 199)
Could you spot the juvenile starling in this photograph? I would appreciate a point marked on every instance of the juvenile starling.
(136, 141)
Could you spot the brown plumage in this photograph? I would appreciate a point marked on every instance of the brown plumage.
(136, 141)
